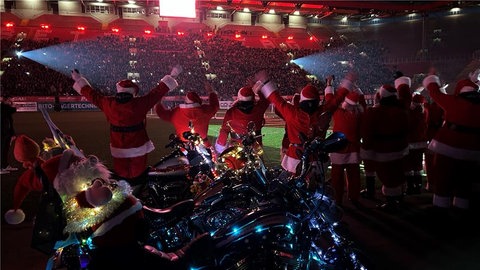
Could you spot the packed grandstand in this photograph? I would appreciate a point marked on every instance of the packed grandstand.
(41, 46)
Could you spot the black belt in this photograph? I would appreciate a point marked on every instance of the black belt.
(461, 128)
(127, 129)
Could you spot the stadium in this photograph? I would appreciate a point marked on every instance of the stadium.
(225, 43)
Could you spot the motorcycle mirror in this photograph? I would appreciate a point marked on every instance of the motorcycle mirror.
(335, 142)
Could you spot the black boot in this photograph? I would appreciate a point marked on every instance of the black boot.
(410, 185)
(417, 183)
(369, 191)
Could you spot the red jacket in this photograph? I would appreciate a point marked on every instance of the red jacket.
(417, 136)
(239, 120)
(123, 115)
(200, 116)
(300, 122)
(385, 131)
(349, 123)
(459, 136)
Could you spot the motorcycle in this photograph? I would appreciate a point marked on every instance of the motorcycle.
(280, 224)
(180, 175)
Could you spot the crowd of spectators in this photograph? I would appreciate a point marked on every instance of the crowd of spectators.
(45, 67)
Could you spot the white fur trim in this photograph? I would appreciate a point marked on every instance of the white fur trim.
(431, 79)
(467, 89)
(418, 145)
(345, 158)
(462, 203)
(118, 219)
(441, 201)
(389, 156)
(79, 84)
(366, 154)
(403, 80)
(189, 105)
(268, 89)
(349, 101)
(14, 217)
(328, 90)
(242, 98)
(170, 82)
(132, 152)
(257, 87)
(392, 191)
(347, 84)
(121, 89)
(385, 93)
(454, 152)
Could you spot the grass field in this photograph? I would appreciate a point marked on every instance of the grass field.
(91, 133)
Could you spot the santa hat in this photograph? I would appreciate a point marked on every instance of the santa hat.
(418, 98)
(387, 90)
(127, 86)
(192, 97)
(245, 94)
(309, 93)
(352, 98)
(403, 80)
(28, 182)
(464, 86)
(26, 150)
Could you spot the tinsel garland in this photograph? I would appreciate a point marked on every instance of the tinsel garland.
(80, 219)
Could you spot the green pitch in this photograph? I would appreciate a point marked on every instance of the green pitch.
(91, 133)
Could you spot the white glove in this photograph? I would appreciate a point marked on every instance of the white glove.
(80, 81)
(176, 70)
(475, 75)
(257, 87)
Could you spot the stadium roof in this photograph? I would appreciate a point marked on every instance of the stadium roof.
(334, 10)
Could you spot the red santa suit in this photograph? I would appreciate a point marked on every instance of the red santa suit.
(235, 122)
(285, 142)
(403, 84)
(347, 119)
(192, 111)
(384, 133)
(456, 145)
(417, 139)
(299, 121)
(129, 141)
(435, 117)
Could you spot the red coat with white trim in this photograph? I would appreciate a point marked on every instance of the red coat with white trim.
(200, 116)
(239, 120)
(460, 143)
(300, 122)
(385, 131)
(434, 115)
(348, 122)
(417, 136)
(132, 113)
(402, 85)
